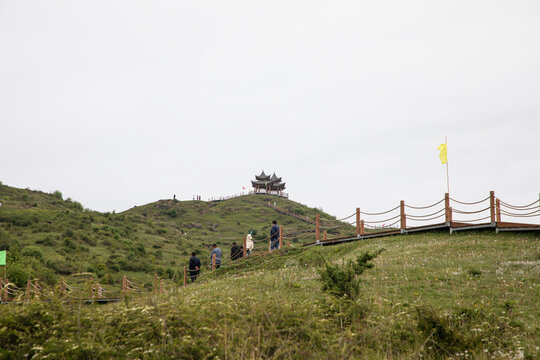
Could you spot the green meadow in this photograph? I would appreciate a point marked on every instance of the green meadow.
(469, 295)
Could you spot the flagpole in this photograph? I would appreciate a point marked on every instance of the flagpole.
(447, 176)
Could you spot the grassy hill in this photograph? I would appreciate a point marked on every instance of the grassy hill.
(427, 296)
(49, 237)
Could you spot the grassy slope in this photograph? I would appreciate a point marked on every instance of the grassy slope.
(478, 292)
(48, 236)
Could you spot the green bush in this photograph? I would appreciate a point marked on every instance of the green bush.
(340, 281)
(57, 194)
(35, 253)
(17, 274)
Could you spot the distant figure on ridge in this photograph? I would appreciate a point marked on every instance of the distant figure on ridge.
(249, 244)
(217, 251)
(194, 267)
(236, 251)
(274, 236)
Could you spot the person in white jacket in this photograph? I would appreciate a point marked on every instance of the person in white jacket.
(249, 244)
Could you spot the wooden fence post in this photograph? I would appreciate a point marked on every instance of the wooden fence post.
(362, 230)
(161, 286)
(124, 286)
(403, 216)
(447, 209)
(498, 206)
(244, 250)
(185, 276)
(213, 262)
(492, 207)
(280, 237)
(2, 290)
(325, 236)
(357, 221)
(450, 216)
(28, 284)
(91, 290)
(317, 228)
(154, 285)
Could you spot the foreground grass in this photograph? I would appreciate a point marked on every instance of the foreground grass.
(465, 296)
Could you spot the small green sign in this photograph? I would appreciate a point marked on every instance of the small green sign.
(3, 257)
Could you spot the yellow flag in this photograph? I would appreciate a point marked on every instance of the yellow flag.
(443, 154)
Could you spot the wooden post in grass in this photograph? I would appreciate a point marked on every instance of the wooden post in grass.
(280, 237)
(185, 276)
(2, 290)
(362, 230)
(450, 216)
(124, 285)
(36, 287)
(154, 285)
(492, 206)
(317, 228)
(447, 215)
(403, 216)
(357, 221)
(325, 237)
(244, 250)
(270, 244)
(91, 288)
(161, 286)
(498, 206)
(213, 262)
(28, 284)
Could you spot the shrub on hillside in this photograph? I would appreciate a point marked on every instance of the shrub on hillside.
(341, 280)
(35, 253)
(57, 194)
(17, 274)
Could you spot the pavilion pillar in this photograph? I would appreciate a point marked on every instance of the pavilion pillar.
(492, 207)
(403, 216)
(357, 221)
(317, 228)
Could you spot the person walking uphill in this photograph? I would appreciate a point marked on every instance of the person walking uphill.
(194, 267)
(236, 251)
(217, 251)
(249, 244)
(274, 236)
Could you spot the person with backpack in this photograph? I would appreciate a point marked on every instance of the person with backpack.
(217, 252)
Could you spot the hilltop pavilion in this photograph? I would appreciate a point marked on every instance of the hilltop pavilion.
(266, 184)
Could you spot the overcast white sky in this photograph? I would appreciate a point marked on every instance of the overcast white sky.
(121, 103)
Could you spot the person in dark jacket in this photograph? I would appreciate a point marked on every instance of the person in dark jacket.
(236, 251)
(194, 267)
(274, 236)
